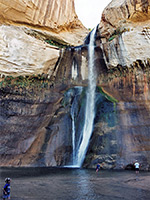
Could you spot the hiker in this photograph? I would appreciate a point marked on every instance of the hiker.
(98, 167)
(6, 189)
(137, 167)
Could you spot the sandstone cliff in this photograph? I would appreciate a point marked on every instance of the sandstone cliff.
(36, 120)
(22, 54)
(125, 28)
(33, 37)
(56, 18)
(125, 38)
(32, 33)
(52, 14)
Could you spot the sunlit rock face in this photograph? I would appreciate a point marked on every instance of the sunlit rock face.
(53, 14)
(125, 28)
(121, 13)
(27, 30)
(56, 18)
(22, 54)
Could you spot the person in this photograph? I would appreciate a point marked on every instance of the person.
(6, 189)
(98, 167)
(137, 167)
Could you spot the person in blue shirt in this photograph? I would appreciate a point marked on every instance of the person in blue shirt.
(6, 189)
(98, 167)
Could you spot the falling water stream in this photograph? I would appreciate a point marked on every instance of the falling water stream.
(73, 134)
(73, 108)
(90, 104)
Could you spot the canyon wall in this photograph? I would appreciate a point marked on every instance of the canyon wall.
(125, 31)
(32, 33)
(125, 37)
(51, 14)
(42, 65)
(33, 39)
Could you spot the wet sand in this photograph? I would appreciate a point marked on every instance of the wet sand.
(76, 184)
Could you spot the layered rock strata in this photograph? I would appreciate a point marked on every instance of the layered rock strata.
(124, 29)
(56, 18)
(52, 14)
(32, 33)
(36, 110)
(33, 36)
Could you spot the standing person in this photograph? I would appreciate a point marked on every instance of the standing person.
(6, 189)
(98, 167)
(137, 167)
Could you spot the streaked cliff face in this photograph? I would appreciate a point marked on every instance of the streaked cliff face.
(32, 33)
(33, 111)
(121, 13)
(33, 36)
(53, 14)
(125, 32)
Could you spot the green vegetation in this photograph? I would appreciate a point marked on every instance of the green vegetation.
(117, 32)
(52, 40)
(56, 43)
(34, 81)
(110, 98)
(112, 37)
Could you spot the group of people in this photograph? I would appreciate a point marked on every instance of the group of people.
(136, 166)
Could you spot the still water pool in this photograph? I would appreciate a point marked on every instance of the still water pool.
(76, 184)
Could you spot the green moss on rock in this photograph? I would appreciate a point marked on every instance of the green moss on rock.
(110, 98)
(26, 82)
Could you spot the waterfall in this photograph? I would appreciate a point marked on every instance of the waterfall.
(74, 70)
(78, 91)
(90, 104)
(73, 134)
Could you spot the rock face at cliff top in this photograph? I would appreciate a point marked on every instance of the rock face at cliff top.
(22, 54)
(53, 14)
(32, 33)
(56, 18)
(124, 13)
(126, 31)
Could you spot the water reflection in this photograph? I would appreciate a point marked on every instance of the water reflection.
(85, 190)
(75, 184)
